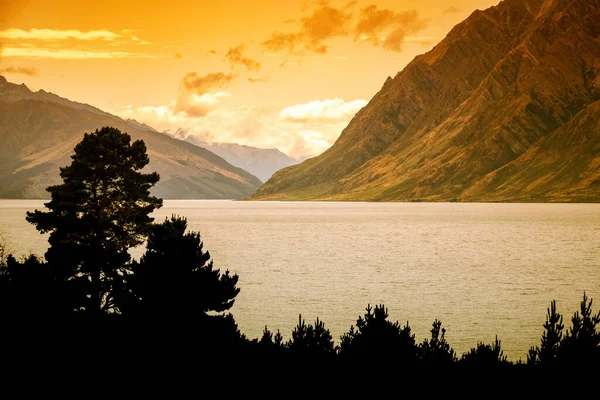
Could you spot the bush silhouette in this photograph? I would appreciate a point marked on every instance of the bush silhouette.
(581, 345)
(376, 337)
(31, 291)
(548, 353)
(436, 352)
(485, 356)
(311, 340)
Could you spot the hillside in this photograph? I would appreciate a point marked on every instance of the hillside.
(38, 131)
(505, 108)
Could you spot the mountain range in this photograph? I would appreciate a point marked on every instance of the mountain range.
(505, 108)
(38, 131)
(262, 163)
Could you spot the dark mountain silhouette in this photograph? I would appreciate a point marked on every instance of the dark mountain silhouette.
(38, 131)
(505, 108)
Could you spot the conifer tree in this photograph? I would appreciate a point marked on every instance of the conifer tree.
(99, 212)
(548, 352)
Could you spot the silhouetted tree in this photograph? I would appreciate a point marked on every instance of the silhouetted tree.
(175, 277)
(485, 356)
(311, 340)
(99, 212)
(269, 342)
(376, 337)
(5, 249)
(547, 354)
(436, 351)
(30, 291)
(581, 344)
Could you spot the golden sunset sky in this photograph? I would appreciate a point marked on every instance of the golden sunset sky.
(265, 73)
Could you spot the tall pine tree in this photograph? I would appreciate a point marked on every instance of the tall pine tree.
(99, 212)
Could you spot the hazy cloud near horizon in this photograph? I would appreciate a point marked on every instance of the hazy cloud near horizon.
(11, 69)
(299, 130)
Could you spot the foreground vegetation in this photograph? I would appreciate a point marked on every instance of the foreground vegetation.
(88, 294)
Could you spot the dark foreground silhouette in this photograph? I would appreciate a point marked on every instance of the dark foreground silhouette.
(89, 301)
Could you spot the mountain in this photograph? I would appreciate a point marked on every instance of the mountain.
(38, 131)
(505, 108)
(262, 163)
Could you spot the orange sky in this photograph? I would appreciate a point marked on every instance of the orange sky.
(267, 73)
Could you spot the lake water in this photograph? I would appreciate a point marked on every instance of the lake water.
(482, 269)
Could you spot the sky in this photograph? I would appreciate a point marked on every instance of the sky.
(264, 73)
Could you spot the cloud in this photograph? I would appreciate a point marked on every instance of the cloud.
(59, 43)
(196, 97)
(31, 71)
(386, 28)
(325, 23)
(200, 85)
(422, 40)
(329, 110)
(178, 55)
(35, 52)
(452, 9)
(56, 34)
(379, 27)
(235, 56)
(258, 126)
(140, 41)
(257, 80)
(212, 52)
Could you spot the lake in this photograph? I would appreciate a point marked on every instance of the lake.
(482, 269)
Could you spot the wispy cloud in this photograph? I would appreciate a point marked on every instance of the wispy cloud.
(235, 56)
(386, 28)
(451, 9)
(325, 23)
(322, 110)
(379, 27)
(35, 52)
(31, 71)
(56, 34)
(257, 80)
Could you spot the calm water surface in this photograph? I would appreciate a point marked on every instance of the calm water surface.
(482, 269)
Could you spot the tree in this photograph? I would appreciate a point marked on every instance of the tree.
(311, 340)
(581, 344)
(99, 212)
(548, 353)
(437, 351)
(175, 276)
(485, 355)
(377, 338)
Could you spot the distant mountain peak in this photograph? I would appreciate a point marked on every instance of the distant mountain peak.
(262, 163)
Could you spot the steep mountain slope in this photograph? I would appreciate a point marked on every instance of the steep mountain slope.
(38, 134)
(262, 163)
(503, 109)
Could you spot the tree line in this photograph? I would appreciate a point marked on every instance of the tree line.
(87, 291)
